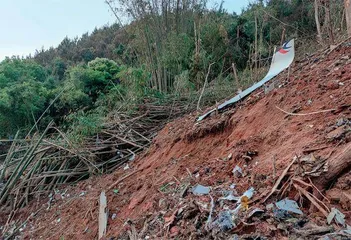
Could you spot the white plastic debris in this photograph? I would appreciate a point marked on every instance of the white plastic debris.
(249, 193)
(337, 215)
(242, 201)
(132, 157)
(201, 190)
(113, 217)
(289, 205)
(126, 167)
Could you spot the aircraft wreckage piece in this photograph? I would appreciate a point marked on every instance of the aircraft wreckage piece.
(281, 60)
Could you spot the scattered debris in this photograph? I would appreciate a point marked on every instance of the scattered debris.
(169, 220)
(249, 193)
(347, 230)
(254, 212)
(224, 221)
(280, 214)
(201, 190)
(132, 157)
(244, 199)
(288, 205)
(337, 215)
(230, 197)
(184, 190)
(209, 220)
(237, 171)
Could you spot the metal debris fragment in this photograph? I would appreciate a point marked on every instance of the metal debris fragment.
(201, 190)
(255, 211)
(337, 215)
(225, 221)
(230, 197)
(289, 205)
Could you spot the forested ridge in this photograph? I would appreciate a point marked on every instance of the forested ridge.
(103, 136)
(167, 50)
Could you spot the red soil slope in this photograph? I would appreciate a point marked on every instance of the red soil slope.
(254, 135)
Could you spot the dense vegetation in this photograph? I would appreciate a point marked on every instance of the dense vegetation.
(166, 49)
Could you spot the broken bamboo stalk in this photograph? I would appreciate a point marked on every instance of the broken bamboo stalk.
(281, 178)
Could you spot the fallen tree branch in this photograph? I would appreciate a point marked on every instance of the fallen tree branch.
(123, 178)
(306, 114)
(281, 178)
(312, 200)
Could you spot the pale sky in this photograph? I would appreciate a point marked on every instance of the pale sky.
(27, 25)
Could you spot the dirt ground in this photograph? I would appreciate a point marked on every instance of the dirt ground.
(153, 198)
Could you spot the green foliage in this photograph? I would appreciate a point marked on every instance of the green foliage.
(177, 52)
(59, 68)
(165, 50)
(135, 80)
(82, 125)
(85, 83)
(24, 92)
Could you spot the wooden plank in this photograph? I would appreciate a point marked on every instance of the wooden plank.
(103, 215)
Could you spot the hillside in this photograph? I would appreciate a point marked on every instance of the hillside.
(297, 136)
(162, 51)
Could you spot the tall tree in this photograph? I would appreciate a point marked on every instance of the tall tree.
(318, 25)
(348, 16)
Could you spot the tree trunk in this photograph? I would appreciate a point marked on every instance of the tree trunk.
(337, 165)
(177, 16)
(318, 25)
(348, 16)
(256, 46)
(328, 22)
(236, 77)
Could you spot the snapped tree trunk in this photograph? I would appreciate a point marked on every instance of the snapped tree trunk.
(336, 166)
